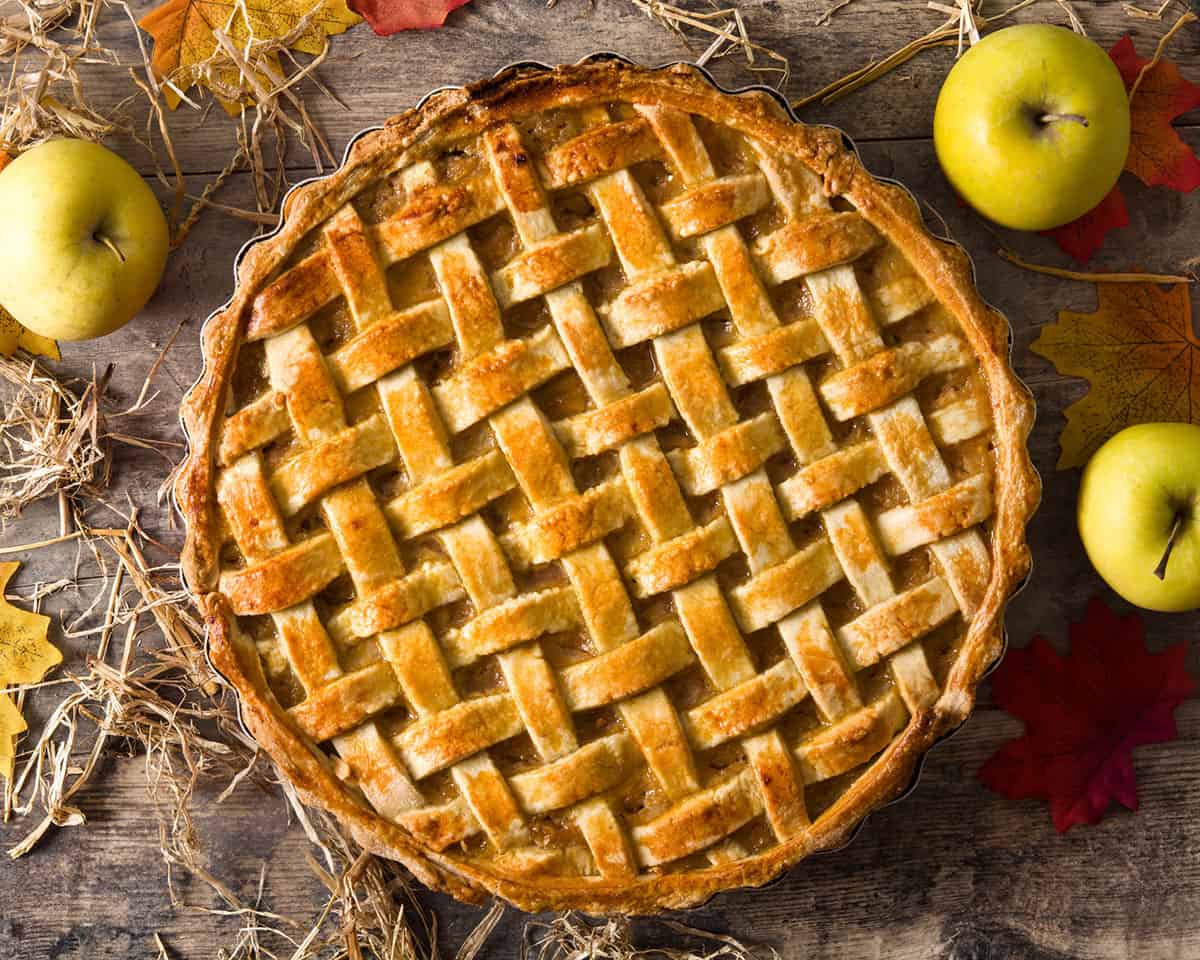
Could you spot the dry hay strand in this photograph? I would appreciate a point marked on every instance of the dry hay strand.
(1184, 19)
(1072, 17)
(53, 438)
(1095, 276)
(262, 79)
(56, 437)
(30, 22)
(371, 909)
(963, 27)
(129, 699)
(571, 936)
(825, 17)
(1137, 13)
(725, 32)
(42, 45)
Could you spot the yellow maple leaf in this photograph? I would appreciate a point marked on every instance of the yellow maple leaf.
(25, 657)
(183, 31)
(1141, 356)
(11, 724)
(13, 335)
(25, 653)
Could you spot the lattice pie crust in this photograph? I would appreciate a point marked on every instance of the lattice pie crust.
(602, 490)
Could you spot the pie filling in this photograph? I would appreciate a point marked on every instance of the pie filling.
(602, 497)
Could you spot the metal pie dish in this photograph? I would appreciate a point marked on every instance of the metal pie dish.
(755, 89)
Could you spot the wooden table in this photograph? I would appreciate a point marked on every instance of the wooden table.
(952, 871)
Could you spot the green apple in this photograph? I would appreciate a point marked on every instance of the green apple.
(1032, 126)
(84, 242)
(1139, 514)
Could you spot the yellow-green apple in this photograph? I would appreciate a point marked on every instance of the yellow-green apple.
(1032, 126)
(84, 241)
(1139, 514)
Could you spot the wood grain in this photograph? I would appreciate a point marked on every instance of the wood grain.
(953, 871)
(378, 78)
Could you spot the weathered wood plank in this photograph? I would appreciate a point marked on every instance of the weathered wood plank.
(952, 871)
(380, 77)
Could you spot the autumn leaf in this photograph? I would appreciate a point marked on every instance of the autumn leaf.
(25, 657)
(183, 31)
(1157, 155)
(11, 725)
(1140, 355)
(1084, 714)
(25, 653)
(1083, 237)
(391, 16)
(13, 335)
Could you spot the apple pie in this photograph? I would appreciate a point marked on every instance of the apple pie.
(602, 491)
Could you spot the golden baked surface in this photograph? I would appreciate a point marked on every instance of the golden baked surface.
(602, 491)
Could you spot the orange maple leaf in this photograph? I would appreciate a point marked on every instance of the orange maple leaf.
(1141, 356)
(1157, 155)
(184, 38)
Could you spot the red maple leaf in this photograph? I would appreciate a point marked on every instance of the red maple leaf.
(1084, 713)
(1083, 237)
(391, 16)
(1157, 155)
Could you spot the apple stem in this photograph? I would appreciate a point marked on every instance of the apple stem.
(107, 241)
(1161, 570)
(1046, 118)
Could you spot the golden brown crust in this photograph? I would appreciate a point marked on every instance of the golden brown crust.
(889, 209)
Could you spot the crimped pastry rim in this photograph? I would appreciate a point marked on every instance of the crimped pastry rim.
(943, 265)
